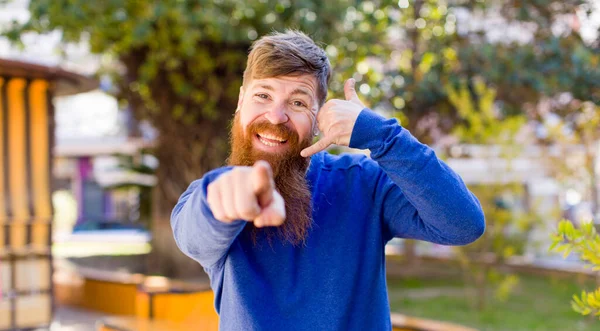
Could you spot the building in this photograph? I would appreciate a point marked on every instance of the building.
(26, 140)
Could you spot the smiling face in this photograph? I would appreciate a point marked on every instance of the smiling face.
(277, 113)
(284, 84)
(274, 123)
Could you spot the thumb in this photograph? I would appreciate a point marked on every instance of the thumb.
(262, 183)
(350, 91)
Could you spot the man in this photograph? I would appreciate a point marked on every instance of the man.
(292, 237)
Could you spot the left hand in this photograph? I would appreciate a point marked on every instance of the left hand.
(336, 120)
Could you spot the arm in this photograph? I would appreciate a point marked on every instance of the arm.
(419, 195)
(212, 212)
(197, 232)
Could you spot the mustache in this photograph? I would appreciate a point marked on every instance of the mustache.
(280, 130)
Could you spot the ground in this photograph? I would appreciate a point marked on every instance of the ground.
(73, 319)
(539, 303)
(437, 292)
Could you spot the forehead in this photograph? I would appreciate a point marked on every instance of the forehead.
(287, 84)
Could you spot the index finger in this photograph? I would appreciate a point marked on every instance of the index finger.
(316, 147)
(262, 183)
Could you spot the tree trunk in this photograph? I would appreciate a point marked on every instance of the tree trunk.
(410, 253)
(184, 156)
(166, 259)
(193, 133)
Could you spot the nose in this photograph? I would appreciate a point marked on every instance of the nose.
(277, 115)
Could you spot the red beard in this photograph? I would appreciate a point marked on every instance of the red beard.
(289, 171)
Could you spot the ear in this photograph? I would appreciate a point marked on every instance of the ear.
(240, 99)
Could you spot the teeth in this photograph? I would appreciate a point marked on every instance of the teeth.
(268, 143)
(272, 137)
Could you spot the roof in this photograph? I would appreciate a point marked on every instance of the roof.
(66, 82)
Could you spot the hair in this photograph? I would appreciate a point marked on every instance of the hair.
(291, 53)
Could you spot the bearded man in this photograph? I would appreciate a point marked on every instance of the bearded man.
(292, 237)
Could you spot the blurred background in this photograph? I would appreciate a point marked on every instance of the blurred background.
(110, 109)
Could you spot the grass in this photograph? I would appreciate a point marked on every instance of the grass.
(538, 303)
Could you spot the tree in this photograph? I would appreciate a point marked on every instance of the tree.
(178, 65)
(576, 133)
(448, 41)
(438, 42)
(585, 242)
(508, 217)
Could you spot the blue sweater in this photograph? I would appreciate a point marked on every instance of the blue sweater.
(337, 280)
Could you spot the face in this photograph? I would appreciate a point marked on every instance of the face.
(289, 102)
(274, 123)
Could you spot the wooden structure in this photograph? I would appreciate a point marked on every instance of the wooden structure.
(26, 138)
(150, 303)
(135, 296)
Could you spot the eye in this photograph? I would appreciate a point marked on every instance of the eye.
(262, 96)
(299, 104)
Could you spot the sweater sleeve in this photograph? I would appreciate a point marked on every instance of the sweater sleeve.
(417, 194)
(197, 233)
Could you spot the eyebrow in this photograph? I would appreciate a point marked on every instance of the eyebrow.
(299, 90)
(266, 87)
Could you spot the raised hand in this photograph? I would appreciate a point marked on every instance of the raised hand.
(247, 193)
(336, 120)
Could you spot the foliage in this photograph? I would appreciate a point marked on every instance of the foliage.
(575, 134)
(183, 58)
(507, 227)
(554, 59)
(178, 64)
(481, 123)
(406, 51)
(508, 218)
(514, 46)
(585, 243)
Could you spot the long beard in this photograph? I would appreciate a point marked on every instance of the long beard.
(289, 171)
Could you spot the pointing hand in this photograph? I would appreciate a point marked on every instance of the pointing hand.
(247, 193)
